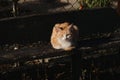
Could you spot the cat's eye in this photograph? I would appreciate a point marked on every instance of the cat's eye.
(61, 28)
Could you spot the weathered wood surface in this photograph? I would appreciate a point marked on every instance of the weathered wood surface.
(88, 50)
(95, 52)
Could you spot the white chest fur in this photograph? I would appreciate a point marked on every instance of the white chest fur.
(64, 43)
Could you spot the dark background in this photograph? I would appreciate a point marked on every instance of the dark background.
(38, 27)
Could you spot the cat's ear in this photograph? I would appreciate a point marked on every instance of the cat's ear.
(58, 28)
(73, 27)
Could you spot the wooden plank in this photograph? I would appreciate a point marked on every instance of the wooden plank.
(46, 51)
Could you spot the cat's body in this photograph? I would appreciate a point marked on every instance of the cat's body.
(64, 36)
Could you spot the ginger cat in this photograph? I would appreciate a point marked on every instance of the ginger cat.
(64, 36)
